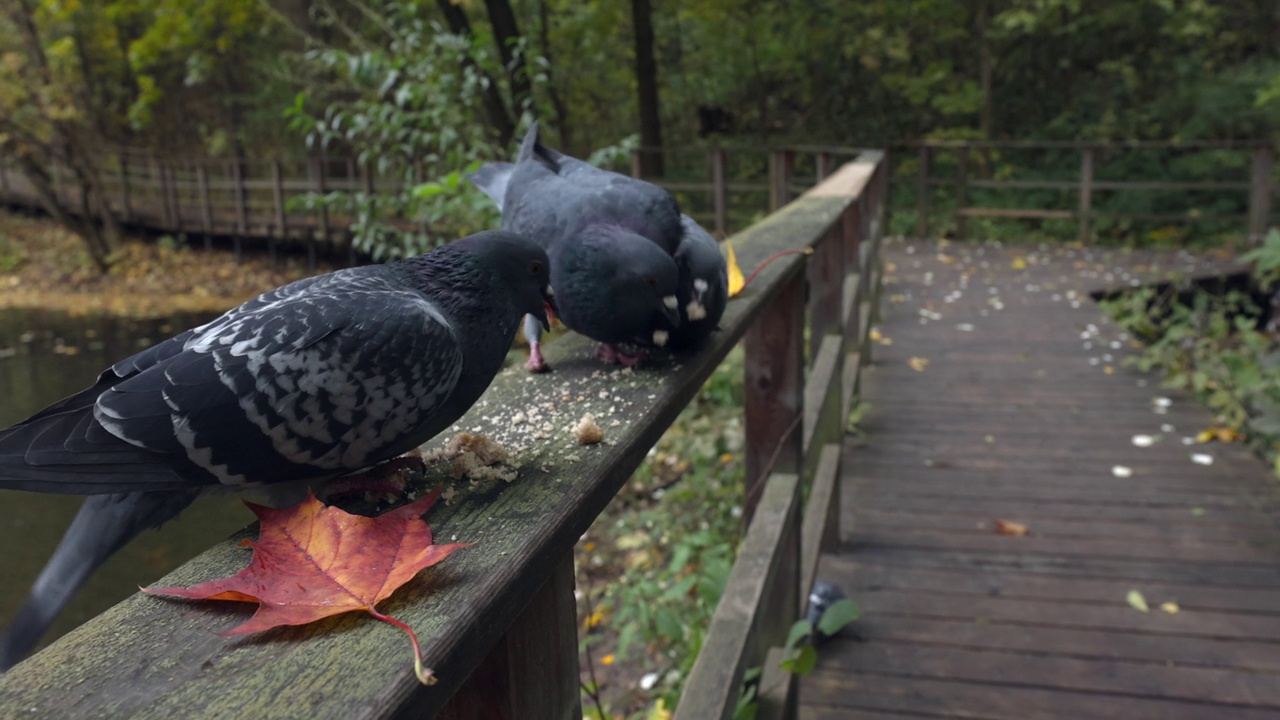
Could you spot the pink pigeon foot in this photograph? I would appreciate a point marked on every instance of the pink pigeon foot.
(613, 356)
(384, 480)
(535, 363)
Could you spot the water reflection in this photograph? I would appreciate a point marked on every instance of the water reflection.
(45, 356)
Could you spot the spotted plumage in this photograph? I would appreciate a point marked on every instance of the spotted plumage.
(310, 381)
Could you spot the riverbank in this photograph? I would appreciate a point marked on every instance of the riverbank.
(44, 266)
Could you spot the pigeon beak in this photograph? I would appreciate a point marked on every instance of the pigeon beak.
(671, 309)
(548, 308)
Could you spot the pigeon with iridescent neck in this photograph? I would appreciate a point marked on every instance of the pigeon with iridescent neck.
(308, 382)
(613, 243)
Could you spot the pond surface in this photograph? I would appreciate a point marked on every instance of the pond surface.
(45, 356)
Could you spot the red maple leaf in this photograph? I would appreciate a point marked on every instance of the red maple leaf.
(312, 561)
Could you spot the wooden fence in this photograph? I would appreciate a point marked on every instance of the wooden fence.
(1257, 185)
(498, 619)
(258, 200)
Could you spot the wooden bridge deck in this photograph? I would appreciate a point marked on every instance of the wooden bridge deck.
(1023, 413)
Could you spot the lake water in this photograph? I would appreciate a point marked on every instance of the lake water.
(46, 356)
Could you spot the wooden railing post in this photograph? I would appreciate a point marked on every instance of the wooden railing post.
(637, 164)
(781, 168)
(533, 670)
(719, 191)
(1260, 192)
(1086, 193)
(316, 168)
(774, 390)
(277, 196)
(126, 207)
(206, 206)
(922, 192)
(822, 166)
(962, 188)
(242, 212)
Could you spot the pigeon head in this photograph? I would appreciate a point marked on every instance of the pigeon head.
(516, 265)
(647, 281)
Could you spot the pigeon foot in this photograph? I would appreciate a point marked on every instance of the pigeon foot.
(614, 356)
(384, 480)
(535, 363)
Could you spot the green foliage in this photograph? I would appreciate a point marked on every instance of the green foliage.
(1212, 344)
(12, 255)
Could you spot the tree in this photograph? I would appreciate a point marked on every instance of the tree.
(46, 124)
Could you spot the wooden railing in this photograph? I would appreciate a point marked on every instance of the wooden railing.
(497, 619)
(1256, 186)
(257, 199)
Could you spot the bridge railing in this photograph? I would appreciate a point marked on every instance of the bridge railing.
(497, 620)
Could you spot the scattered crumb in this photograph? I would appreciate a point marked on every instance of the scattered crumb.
(474, 457)
(588, 431)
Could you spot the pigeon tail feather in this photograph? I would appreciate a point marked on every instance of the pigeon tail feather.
(104, 524)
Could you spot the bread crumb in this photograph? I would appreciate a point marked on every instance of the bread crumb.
(588, 431)
(474, 457)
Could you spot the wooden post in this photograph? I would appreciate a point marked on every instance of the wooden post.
(533, 670)
(719, 192)
(826, 270)
(1264, 159)
(277, 193)
(206, 207)
(962, 188)
(781, 168)
(4, 177)
(1086, 194)
(238, 192)
(126, 207)
(923, 157)
(822, 166)
(774, 391)
(637, 164)
(316, 166)
(171, 192)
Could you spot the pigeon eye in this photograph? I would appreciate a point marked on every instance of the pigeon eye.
(535, 267)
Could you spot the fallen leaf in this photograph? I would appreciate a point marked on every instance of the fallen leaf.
(607, 659)
(874, 334)
(1018, 264)
(1136, 601)
(312, 561)
(918, 364)
(736, 283)
(1007, 527)
(1121, 471)
(1222, 434)
(1170, 607)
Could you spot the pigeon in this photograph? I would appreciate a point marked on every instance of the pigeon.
(311, 381)
(572, 206)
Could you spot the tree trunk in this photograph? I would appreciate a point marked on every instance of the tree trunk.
(494, 107)
(647, 89)
(986, 115)
(506, 33)
(557, 100)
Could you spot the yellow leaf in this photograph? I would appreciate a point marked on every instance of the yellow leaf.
(1170, 607)
(1109, 370)
(607, 659)
(875, 334)
(918, 364)
(736, 282)
(1018, 264)
(659, 711)
(594, 619)
(1205, 436)
(1137, 602)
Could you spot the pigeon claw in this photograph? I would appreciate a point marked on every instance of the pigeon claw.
(614, 356)
(535, 363)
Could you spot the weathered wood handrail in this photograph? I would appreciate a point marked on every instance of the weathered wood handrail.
(1258, 186)
(497, 619)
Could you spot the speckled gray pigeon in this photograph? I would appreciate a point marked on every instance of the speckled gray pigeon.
(612, 239)
(310, 381)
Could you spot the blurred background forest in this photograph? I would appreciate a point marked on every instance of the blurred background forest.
(425, 90)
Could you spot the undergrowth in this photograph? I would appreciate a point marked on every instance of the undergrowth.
(1220, 345)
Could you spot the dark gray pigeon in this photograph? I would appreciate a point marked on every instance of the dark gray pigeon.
(310, 381)
(612, 240)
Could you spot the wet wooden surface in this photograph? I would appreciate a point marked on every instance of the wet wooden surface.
(1025, 413)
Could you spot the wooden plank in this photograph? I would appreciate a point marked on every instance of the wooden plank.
(962, 190)
(923, 156)
(533, 669)
(719, 191)
(849, 181)
(848, 695)
(1095, 675)
(1260, 191)
(206, 208)
(733, 642)
(823, 422)
(1021, 213)
(826, 274)
(774, 391)
(820, 530)
(777, 696)
(1086, 195)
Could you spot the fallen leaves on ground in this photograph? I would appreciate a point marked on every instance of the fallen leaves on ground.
(312, 561)
(1170, 607)
(1008, 527)
(1136, 601)
(1221, 434)
(918, 363)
